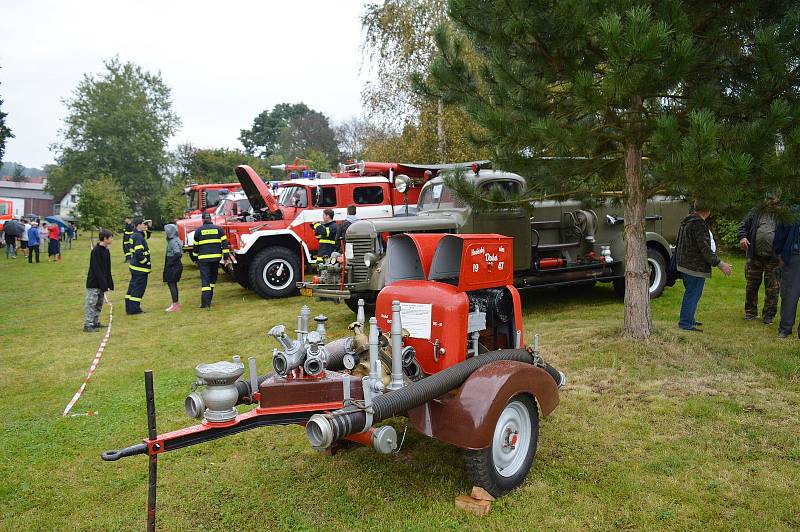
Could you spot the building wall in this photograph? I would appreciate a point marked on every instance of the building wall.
(42, 207)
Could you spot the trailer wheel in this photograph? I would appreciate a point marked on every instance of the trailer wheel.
(505, 464)
(658, 275)
(274, 272)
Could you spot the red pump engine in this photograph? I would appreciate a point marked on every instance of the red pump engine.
(466, 306)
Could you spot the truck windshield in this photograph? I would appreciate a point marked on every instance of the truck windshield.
(439, 196)
(3, 209)
(293, 196)
(225, 208)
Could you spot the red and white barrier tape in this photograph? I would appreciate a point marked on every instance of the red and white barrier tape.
(94, 365)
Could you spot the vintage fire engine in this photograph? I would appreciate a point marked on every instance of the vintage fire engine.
(446, 350)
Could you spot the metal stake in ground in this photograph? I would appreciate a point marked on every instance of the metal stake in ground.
(152, 433)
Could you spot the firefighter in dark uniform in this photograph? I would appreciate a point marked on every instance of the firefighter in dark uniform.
(127, 239)
(210, 247)
(139, 266)
(325, 232)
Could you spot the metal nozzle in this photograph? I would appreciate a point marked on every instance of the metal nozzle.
(360, 315)
(319, 431)
(397, 348)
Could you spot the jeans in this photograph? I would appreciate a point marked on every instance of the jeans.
(31, 251)
(11, 246)
(694, 289)
(790, 293)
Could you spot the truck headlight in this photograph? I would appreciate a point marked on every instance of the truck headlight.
(370, 260)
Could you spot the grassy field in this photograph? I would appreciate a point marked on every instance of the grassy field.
(687, 431)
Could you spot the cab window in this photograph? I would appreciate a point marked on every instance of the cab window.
(507, 188)
(293, 197)
(328, 198)
(368, 195)
(212, 198)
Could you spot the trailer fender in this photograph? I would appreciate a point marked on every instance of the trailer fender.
(466, 417)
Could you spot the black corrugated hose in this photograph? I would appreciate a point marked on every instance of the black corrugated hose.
(351, 420)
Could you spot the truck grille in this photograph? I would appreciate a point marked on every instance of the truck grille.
(361, 246)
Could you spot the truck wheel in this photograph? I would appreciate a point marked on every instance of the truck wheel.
(658, 272)
(274, 272)
(369, 303)
(505, 464)
(658, 275)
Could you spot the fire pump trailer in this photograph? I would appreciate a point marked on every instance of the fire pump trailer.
(473, 383)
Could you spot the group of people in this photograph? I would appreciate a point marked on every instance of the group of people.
(31, 234)
(772, 249)
(210, 248)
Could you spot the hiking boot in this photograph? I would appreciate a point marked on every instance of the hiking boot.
(748, 318)
(783, 335)
(89, 329)
(99, 325)
(768, 321)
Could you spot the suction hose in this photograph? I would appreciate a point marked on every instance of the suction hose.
(322, 430)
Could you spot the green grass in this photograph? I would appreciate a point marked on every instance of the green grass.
(686, 431)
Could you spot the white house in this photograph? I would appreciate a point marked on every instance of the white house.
(66, 206)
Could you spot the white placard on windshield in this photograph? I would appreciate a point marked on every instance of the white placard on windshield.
(416, 319)
(437, 191)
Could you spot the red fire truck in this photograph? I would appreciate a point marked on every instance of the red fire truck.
(273, 241)
(206, 197)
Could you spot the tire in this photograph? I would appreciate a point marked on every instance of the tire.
(658, 275)
(369, 303)
(498, 469)
(658, 272)
(242, 276)
(274, 272)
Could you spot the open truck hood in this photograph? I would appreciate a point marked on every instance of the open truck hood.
(258, 193)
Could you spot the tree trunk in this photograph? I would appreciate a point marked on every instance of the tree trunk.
(637, 274)
(442, 146)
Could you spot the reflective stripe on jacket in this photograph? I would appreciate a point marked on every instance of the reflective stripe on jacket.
(210, 243)
(140, 254)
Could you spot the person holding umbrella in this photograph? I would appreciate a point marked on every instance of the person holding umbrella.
(12, 230)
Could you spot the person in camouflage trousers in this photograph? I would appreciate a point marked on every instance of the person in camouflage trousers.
(756, 234)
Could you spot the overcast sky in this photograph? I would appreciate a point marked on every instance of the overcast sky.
(224, 61)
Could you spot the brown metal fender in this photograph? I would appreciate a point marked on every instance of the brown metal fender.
(466, 417)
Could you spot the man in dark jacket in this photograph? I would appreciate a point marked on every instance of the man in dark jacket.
(348, 221)
(127, 240)
(756, 234)
(325, 233)
(210, 247)
(787, 247)
(98, 281)
(139, 266)
(695, 260)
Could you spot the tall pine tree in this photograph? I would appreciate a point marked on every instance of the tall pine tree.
(686, 97)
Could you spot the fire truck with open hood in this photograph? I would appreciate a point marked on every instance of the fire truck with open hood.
(274, 241)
